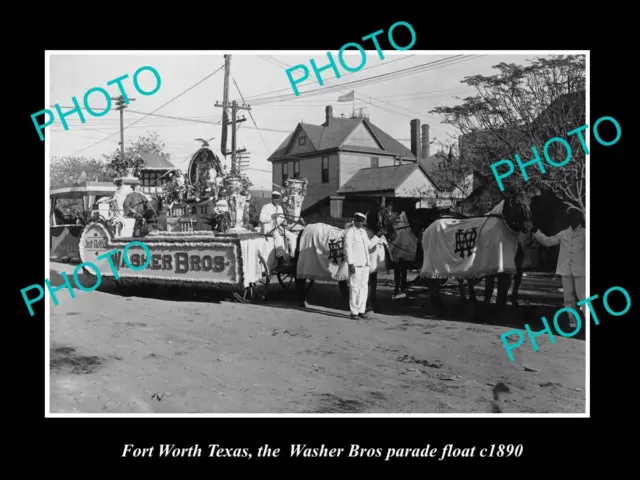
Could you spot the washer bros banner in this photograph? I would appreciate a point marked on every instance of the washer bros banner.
(199, 260)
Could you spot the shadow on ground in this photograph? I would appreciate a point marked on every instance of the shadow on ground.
(325, 299)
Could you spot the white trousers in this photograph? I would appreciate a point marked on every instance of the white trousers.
(279, 242)
(358, 290)
(573, 287)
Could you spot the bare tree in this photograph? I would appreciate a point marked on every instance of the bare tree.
(521, 107)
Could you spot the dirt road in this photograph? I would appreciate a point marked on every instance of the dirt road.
(115, 354)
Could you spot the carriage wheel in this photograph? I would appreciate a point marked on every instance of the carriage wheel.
(287, 280)
(256, 291)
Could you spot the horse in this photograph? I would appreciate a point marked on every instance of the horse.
(402, 252)
(332, 248)
(515, 214)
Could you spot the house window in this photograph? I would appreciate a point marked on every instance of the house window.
(296, 169)
(325, 169)
(375, 162)
(285, 172)
(302, 141)
(194, 210)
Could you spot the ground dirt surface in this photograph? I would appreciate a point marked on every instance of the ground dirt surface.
(112, 353)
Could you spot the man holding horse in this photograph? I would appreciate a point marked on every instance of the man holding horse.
(357, 250)
(571, 259)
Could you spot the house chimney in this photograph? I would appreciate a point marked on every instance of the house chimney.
(328, 114)
(415, 138)
(425, 141)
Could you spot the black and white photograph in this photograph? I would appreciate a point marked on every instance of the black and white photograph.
(281, 233)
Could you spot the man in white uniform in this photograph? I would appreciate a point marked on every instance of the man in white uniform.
(571, 260)
(272, 219)
(357, 248)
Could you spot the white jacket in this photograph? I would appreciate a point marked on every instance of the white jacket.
(356, 247)
(572, 256)
(268, 224)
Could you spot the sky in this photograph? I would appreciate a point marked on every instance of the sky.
(391, 103)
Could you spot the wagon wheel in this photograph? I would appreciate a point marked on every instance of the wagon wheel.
(258, 290)
(287, 280)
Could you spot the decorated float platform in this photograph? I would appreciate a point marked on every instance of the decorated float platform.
(231, 261)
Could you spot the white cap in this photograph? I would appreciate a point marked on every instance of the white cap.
(275, 193)
(358, 214)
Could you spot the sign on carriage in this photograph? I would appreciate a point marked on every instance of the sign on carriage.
(194, 260)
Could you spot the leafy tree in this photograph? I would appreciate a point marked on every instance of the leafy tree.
(134, 154)
(521, 107)
(64, 170)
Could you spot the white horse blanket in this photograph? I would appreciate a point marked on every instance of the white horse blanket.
(321, 254)
(473, 247)
(405, 245)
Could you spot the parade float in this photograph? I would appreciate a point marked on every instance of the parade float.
(203, 231)
(189, 245)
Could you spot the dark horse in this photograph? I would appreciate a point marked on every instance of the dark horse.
(517, 216)
(147, 216)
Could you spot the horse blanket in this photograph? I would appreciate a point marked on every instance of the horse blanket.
(405, 244)
(321, 255)
(471, 247)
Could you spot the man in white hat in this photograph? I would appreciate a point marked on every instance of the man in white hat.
(357, 248)
(272, 219)
(571, 260)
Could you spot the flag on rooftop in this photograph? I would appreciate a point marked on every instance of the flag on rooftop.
(348, 97)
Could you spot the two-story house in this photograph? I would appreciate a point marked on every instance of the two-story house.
(347, 161)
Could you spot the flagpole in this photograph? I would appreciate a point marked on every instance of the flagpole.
(353, 104)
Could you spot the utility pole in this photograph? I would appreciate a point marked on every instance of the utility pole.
(234, 120)
(243, 161)
(120, 105)
(225, 105)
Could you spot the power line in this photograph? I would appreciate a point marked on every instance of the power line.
(146, 115)
(370, 80)
(386, 109)
(250, 114)
(330, 78)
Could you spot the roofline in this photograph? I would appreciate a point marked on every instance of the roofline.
(83, 189)
(342, 149)
(357, 192)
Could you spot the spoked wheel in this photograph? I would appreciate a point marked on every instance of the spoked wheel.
(287, 280)
(258, 290)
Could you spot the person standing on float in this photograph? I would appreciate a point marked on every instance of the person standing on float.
(571, 259)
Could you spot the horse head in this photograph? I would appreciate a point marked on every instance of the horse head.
(517, 213)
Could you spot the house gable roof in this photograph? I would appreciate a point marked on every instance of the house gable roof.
(333, 137)
(378, 179)
(154, 161)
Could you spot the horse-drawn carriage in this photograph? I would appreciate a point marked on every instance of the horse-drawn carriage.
(226, 256)
(238, 259)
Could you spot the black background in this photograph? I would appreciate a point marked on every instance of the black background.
(609, 436)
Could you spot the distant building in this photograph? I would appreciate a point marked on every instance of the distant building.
(154, 173)
(350, 160)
